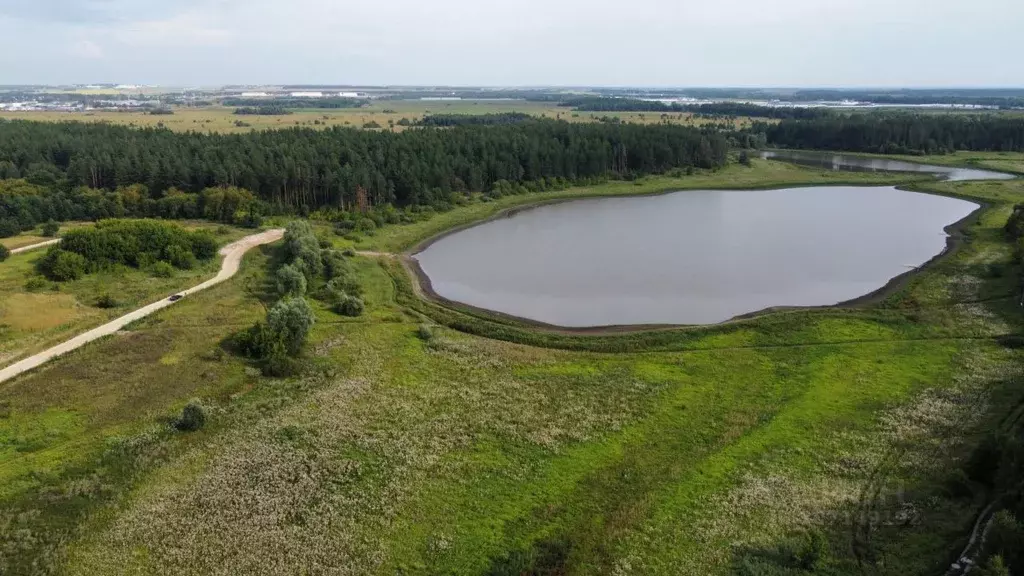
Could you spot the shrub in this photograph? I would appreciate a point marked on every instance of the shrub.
(744, 158)
(425, 332)
(61, 266)
(204, 246)
(161, 270)
(334, 264)
(180, 257)
(5, 252)
(349, 252)
(193, 417)
(36, 283)
(51, 228)
(290, 281)
(290, 320)
(280, 365)
(9, 227)
(106, 301)
(345, 283)
(351, 306)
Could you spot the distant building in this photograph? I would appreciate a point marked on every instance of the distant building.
(254, 94)
(351, 95)
(307, 94)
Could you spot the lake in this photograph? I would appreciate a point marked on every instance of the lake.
(693, 257)
(864, 164)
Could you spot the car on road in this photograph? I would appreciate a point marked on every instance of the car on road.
(175, 298)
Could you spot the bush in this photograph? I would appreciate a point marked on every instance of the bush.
(344, 284)
(744, 158)
(180, 257)
(290, 281)
(351, 306)
(193, 417)
(349, 252)
(106, 301)
(9, 227)
(61, 266)
(334, 264)
(280, 365)
(5, 252)
(161, 270)
(36, 283)
(204, 246)
(50, 229)
(425, 332)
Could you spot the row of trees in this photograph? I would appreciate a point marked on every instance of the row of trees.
(899, 133)
(263, 110)
(293, 168)
(310, 267)
(24, 205)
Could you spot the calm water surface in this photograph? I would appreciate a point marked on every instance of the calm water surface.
(863, 164)
(694, 257)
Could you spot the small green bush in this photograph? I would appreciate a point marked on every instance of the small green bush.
(9, 227)
(193, 417)
(290, 281)
(50, 229)
(425, 332)
(161, 270)
(351, 306)
(62, 266)
(280, 366)
(180, 257)
(106, 301)
(36, 284)
(5, 252)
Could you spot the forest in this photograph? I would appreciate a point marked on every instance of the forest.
(300, 169)
(899, 133)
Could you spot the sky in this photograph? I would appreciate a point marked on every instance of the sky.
(826, 43)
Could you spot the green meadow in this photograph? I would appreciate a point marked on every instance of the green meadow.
(489, 447)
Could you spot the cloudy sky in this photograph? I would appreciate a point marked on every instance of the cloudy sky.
(521, 42)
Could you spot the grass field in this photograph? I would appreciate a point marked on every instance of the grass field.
(468, 455)
(33, 318)
(383, 113)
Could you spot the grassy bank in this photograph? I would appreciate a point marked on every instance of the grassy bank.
(697, 452)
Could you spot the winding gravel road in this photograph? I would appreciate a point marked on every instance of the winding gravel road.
(229, 266)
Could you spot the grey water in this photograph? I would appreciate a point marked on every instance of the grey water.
(847, 162)
(692, 257)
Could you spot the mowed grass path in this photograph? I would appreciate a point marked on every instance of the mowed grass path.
(464, 455)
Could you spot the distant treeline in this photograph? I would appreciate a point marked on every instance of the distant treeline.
(296, 102)
(899, 133)
(24, 205)
(263, 110)
(474, 119)
(714, 109)
(297, 169)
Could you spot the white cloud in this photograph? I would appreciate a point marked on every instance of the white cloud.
(528, 42)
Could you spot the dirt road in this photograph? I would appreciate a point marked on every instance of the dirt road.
(31, 247)
(229, 266)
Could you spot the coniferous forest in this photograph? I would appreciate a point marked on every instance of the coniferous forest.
(306, 168)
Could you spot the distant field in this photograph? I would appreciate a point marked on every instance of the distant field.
(383, 113)
(35, 235)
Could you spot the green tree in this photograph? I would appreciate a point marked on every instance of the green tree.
(5, 252)
(290, 320)
(51, 228)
